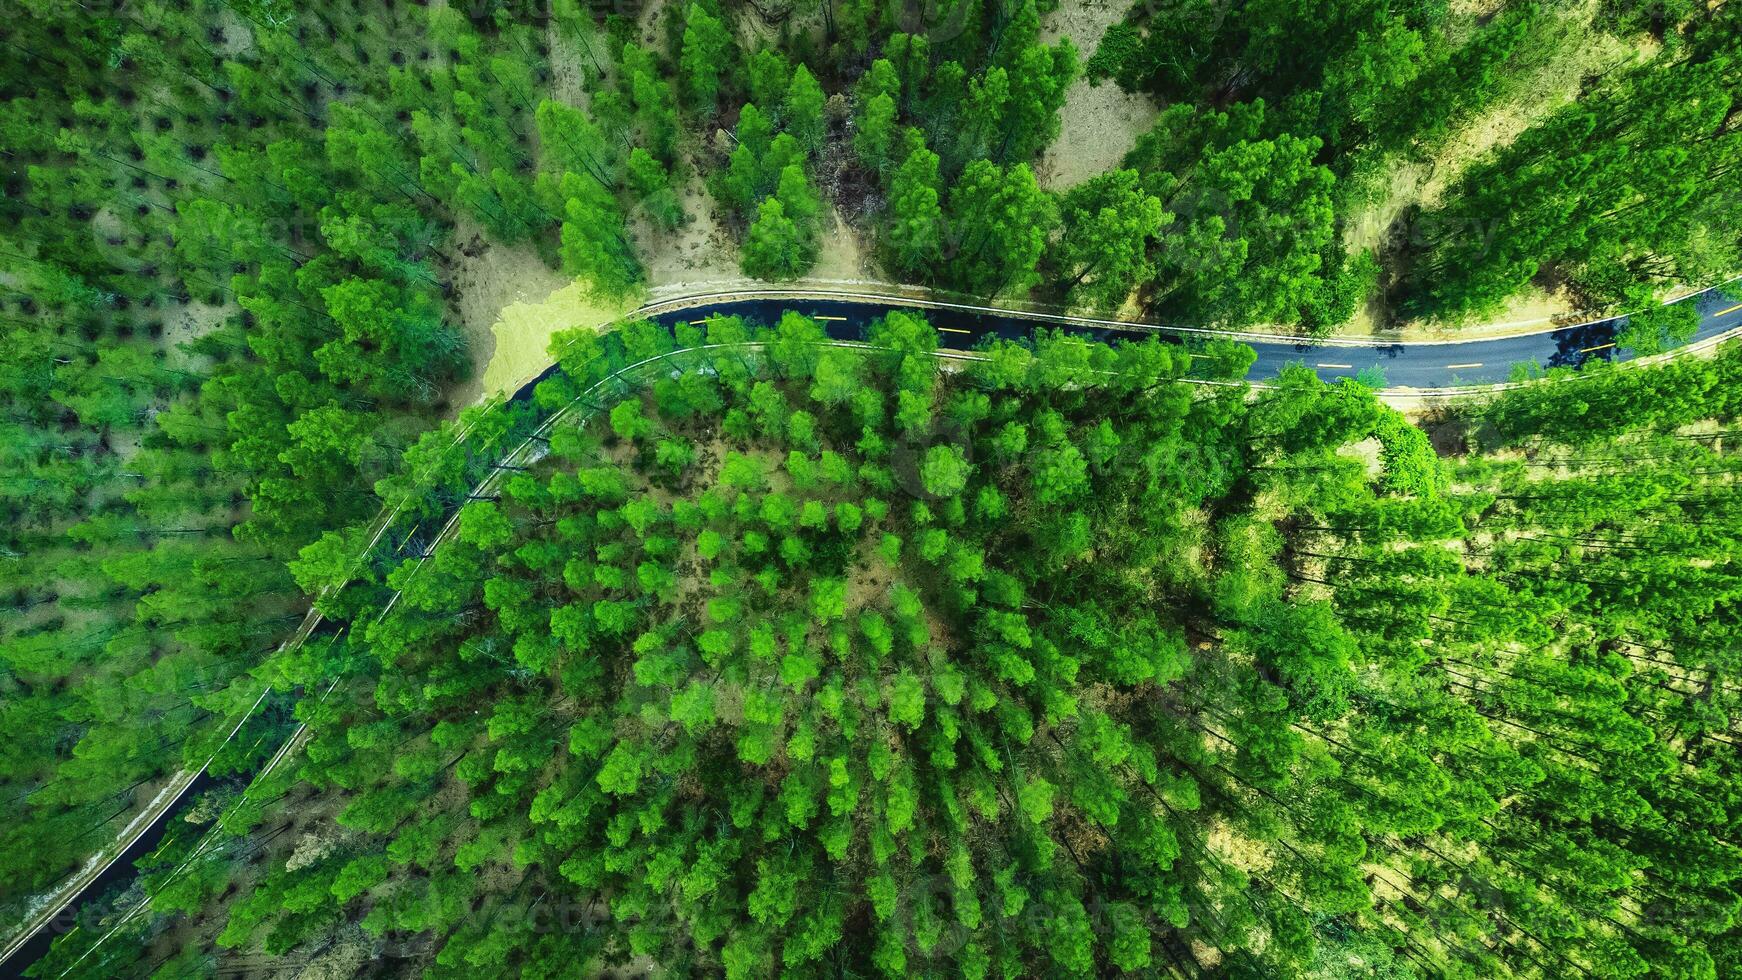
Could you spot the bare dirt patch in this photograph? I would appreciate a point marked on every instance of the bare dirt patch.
(572, 61)
(649, 21)
(1099, 123)
(1083, 22)
(187, 323)
(521, 334)
(699, 250)
(238, 34)
(839, 255)
(1098, 126)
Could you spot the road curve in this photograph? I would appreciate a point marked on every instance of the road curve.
(1422, 366)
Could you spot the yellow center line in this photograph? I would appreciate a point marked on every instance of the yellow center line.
(954, 330)
(1456, 367)
(1344, 366)
(842, 318)
(1587, 350)
(1727, 312)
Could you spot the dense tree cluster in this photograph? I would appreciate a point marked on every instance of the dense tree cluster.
(785, 655)
(982, 103)
(224, 317)
(1627, 191)
(226, 248)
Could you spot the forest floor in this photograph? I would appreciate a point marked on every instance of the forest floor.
(699, 250)
(1099, 123)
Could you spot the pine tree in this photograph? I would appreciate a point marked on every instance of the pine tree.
(802, 110)
(915, 232)
(777, 248)
(999, 222)
(594, 244)
(1110, 225)
(708, 58)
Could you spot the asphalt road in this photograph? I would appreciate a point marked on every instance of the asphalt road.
(1408, 364)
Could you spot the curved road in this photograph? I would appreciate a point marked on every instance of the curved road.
(1419, 365)
(1427, 366)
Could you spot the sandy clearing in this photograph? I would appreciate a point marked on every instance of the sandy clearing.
(838, 254)
(1097, 126)
(1083, 21)
(521, 334)
(488, 278)
(570, 65)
